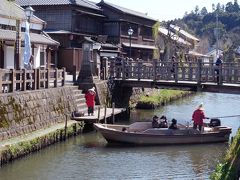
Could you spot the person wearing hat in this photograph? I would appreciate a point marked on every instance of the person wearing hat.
(218, 65)
(173, 125)
(155, 122)
(90, 100)
(198, 116)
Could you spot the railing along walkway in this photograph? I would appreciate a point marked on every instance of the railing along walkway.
(20, 80)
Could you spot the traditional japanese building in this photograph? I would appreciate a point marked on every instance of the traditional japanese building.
(12, 28)
(71, 23)
(130, 29)
(91, 33)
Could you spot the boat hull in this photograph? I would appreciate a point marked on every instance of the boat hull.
(139, 138)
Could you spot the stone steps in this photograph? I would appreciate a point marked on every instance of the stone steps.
(79, 100)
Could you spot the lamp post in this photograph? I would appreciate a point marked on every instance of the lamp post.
(27, 44)
(28, 61)
(130, 33)
(29, 12)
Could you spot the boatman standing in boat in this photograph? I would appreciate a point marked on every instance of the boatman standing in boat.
(198, 116)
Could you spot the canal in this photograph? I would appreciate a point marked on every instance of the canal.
(89, 157)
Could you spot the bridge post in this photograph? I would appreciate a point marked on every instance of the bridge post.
(176, 71)
(199, 71)
(139, 70)
(190, 72)
(121, 95)
(124, 68)
(112, 67)
(154, 69)
(220, 75)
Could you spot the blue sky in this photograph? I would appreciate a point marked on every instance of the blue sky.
(166, 9)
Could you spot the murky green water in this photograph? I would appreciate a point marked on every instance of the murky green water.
(89, 157)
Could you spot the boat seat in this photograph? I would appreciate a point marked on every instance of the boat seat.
(166, 131)
(140, 126)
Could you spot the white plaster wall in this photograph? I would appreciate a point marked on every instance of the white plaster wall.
(8, 57)
(37, 56)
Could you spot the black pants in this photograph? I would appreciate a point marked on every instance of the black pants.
(90, 110)
(217, 74)
(199, 127)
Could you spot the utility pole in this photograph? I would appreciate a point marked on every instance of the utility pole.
(217, 46)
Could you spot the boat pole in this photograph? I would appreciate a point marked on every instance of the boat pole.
(99, 109)
(113, 115)
(65, 128)
(105, 114)
(223, 117)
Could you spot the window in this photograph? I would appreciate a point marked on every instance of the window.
(42, 59)
(87, 24)
(112, 29)
(125, 26)
(146, 32)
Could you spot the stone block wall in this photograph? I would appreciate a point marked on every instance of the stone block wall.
(24, 112)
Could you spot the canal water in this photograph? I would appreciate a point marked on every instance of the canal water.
(88, 156)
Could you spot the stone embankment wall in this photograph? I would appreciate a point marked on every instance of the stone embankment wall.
(136, 94)
(24, 112)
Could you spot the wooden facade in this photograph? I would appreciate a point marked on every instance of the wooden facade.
(116, 26)
(69, 24)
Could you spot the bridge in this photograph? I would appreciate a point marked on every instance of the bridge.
(193, 76)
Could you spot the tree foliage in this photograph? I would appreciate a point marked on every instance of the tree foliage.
(224, 20)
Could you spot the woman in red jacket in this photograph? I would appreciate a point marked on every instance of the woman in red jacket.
(90, 100)
(197, 117)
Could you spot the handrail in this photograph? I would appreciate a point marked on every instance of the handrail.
(12, 80)
(198, 72)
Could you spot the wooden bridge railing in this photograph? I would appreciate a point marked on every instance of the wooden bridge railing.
(200, 72)
(20, 80)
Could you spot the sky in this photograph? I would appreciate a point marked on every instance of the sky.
(164, 10)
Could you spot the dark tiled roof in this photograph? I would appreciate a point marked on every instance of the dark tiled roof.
(84, 3)
(36, 38)
(127, 11)
(14, 11)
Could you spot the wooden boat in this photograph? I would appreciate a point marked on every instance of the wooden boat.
(142, 133)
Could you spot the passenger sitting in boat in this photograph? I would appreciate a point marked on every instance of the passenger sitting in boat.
(174, 124)
(124, 129)
(163, 122)
(155, 122)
